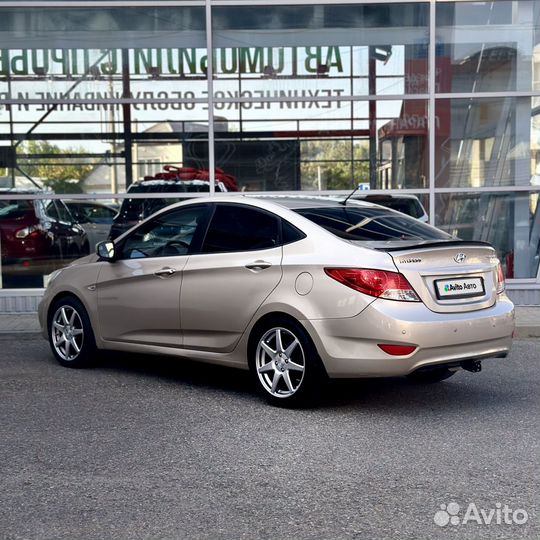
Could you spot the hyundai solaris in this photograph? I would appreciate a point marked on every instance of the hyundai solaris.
(295, 289)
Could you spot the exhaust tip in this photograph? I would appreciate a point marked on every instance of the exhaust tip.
(474, 366)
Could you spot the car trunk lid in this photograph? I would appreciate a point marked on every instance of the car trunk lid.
(452, 276)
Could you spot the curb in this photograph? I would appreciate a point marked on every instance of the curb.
(524, 332)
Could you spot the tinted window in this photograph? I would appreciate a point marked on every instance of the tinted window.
(86, 213)
(289, 233)
(77, 213)
(57, 210)
(138, 209)
(239, 228)
(63, 212)
(411, 207)
(168, 235)
(15, 209)
(371, 224)
(100, 214)
(51, 210)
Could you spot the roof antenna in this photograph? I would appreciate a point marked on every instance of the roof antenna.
(351, 194)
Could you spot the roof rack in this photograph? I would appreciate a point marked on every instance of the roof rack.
(185, 174)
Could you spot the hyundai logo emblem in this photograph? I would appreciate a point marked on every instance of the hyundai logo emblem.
(460, 257)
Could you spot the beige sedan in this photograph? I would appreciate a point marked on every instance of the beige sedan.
(295, 289)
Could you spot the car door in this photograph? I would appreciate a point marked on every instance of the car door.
(139, 293)
(224, 285)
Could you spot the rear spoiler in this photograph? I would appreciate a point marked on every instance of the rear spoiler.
(443, 243)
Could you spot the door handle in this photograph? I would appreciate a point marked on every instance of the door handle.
(258, 265)
(165, 272)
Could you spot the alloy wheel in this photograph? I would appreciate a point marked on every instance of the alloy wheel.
(280, 362)
(67, 333)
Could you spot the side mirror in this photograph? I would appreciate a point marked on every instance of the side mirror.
(106, 251)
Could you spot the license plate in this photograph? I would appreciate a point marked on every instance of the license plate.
(459, 288)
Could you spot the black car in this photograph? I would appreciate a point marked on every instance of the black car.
(173, 181)
(405, 203)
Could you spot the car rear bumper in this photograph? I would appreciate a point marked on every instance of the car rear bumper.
(349, 347)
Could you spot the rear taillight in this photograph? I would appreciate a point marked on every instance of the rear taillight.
(32, 231)
(500, 279)
(379, 283)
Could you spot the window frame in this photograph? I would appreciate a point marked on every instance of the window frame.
(195, 245)
(280, 220)
(242, 206)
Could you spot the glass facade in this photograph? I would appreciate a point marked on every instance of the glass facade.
(435, 100)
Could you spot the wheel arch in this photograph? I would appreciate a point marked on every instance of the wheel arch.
(68, 294)
(277, 315)
(265, 319)
(58, 296)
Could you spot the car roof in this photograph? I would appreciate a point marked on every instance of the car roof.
(288, 202)
(295, 202)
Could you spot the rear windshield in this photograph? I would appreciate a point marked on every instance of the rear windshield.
(15, 209)
(411, 207)
(371, 224)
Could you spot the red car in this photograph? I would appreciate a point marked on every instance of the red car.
(36, 237)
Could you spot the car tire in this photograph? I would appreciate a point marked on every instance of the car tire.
(70, 333)
(285, 365)
(430, 376)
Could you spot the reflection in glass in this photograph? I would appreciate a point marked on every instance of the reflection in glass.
(172, 184)
(78, 63)
(488, 46)
(323, 50)
(508, 221)
(487, 142)
(315, 146)
(36, 238)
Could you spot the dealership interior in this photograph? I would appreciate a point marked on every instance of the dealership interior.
(108, 106)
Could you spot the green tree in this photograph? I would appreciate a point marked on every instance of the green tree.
(330, 162)
(59, 169)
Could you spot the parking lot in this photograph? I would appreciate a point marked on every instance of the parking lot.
(146, 447)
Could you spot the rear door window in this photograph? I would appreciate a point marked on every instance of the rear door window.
(241, 228)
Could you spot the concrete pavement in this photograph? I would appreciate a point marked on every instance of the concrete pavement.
(144, 448)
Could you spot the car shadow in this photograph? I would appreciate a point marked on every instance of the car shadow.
(463, 392)
(189, 372)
